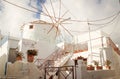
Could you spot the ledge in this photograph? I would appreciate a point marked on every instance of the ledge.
(101, 74)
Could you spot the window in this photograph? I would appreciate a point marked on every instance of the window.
(30, 26)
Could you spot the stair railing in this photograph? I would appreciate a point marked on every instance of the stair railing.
(113, 45)
(49, 61)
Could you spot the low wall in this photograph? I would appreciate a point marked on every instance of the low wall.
(3, 57)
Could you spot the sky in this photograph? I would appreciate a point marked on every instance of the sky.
(12, 17)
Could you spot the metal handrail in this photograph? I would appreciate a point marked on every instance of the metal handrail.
(112, 44)
(59, 53)
(60, 72)
(51, 58)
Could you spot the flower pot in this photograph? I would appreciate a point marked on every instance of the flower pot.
(30, 55)
(108, 67)
(90, 67)
(30, 58)
(99, 67)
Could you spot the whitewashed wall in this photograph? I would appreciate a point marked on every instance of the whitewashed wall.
(40, 32)
(45, 42)
(13, 42)
(3, 57)
(116, 63)
(44, 48)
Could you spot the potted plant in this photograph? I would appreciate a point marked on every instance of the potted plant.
(90, 67)
(32, 52)
(107, 64)
(96, 63)
(85, 61)
(80, 58)
(30, 55)
(19, 56)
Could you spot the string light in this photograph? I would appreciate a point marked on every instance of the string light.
(91, 22)
(106, 18)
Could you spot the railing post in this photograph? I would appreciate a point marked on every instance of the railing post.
(72, 72)
(58, 72)
(45, 73)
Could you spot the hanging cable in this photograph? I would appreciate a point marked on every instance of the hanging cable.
(106, 18)
(107, 22)
(114, 16)
(61, 18)
(116, 25)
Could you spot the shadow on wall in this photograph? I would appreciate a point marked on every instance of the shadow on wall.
(3, 60)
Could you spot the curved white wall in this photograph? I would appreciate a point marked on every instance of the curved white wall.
(45, 42)
(39, 32)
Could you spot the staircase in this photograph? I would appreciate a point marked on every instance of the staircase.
(54, 62)
(56, 59)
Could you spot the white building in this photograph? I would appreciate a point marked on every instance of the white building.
(94, 46)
